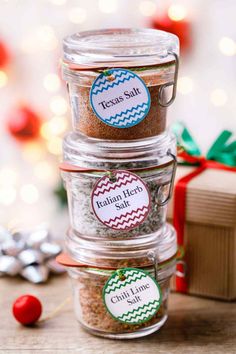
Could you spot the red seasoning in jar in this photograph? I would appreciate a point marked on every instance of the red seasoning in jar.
(91, 275)
(148, 57)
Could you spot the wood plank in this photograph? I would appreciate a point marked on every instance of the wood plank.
(194, 326)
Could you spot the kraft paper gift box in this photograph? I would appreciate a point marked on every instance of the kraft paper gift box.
(209, 233)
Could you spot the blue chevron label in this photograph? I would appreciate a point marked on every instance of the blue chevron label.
(120, 98)
(132, 296)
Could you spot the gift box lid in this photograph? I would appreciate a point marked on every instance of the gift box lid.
(211, 197)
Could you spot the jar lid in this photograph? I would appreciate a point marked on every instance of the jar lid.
(163, 245)
(120, 47)
(83, 151)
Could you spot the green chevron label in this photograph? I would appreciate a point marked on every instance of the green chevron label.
(132, 296)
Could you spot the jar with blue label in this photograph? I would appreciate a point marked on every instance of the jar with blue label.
(122, 291)
(118, 81)
(118, 190)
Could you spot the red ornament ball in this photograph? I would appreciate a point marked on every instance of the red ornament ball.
(24, 124)
(181, 29)
(27, 309)
(4, 55)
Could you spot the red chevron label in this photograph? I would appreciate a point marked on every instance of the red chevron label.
(121, 200)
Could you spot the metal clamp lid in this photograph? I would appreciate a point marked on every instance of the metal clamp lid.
(172, 83)
(154, 258)
(171, 187)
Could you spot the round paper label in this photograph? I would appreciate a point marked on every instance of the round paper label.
(121, 200)
(132, 296)
(121, 99)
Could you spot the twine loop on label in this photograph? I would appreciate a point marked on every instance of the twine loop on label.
(112, 176)
(109, 75)
(121, 274)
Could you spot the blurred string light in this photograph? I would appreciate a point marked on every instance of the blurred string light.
(218, 97)
(177, 12)
(55, 126)
(45, 33)
(58, 105)
(227, 46)
(3, 78)
(44, 170)
(52, 82)
(29, 194)
(47, 37)
(147, 8)
(42, 38)
(28, 45)
(15, 224)
(54, 145)
(77, 15)
(8, 176)
(33, 151)
(108, 6)
(58, 2)
(185, 85)
(7, 195)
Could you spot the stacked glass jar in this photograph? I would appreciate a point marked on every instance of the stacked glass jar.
(118, 169)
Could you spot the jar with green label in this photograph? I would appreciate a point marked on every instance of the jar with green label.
(122, 291)
(118, 81)
(118, 190)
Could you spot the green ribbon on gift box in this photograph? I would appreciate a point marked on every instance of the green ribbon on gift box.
(221, 150)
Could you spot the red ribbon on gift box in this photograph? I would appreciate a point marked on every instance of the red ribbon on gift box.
(221, 156)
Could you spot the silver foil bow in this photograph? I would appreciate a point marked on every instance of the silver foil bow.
(31, 255)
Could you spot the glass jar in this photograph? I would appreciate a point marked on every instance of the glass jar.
(86, 160)
(95, 264)
(150, 54)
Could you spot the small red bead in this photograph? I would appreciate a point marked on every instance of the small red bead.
(4, 55)
(182, 29)
(27, 309)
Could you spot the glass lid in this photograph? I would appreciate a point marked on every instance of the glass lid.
(163, 244)
(83, 151)
(120, 47)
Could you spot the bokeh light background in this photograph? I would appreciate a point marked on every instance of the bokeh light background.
(33, 31)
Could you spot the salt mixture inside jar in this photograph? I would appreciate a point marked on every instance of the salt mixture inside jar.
(117, 81)
(122, 291)
(100, 210)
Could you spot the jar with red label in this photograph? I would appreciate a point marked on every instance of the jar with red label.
(118, 190)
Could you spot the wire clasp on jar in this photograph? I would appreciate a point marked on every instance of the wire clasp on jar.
(160, 201)
(154, 258)
(172, 83)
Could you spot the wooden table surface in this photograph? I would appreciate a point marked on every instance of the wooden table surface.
(194, 326)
